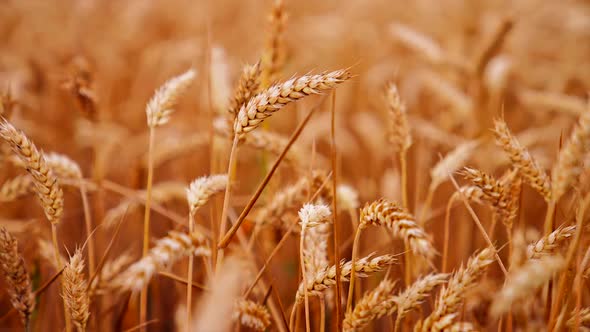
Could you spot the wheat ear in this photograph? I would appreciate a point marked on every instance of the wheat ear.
(413, 296)
(449, 300)
(46, 184)
(310, 216)
(17, 278)
(252, 315)
(200, 190)
(371, 306)
(274, 55)
(522, 160)
(493, 192)
(569, 161)
(161, 106)
(16, 187)
(75, 291)
(547, 244)
(264, 104)
(525, 280)
(247, 86)
(165, 252)
(390, 215)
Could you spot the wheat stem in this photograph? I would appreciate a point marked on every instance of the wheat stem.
(189, 288)
(357, 237)
(59, 264)
(88, 222)
(301, 260)
(404, 177)
(231, 169)
(146, 225)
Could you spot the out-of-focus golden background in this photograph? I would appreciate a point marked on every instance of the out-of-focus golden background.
(75, 76)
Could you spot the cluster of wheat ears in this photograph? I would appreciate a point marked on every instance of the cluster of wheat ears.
(289, 224)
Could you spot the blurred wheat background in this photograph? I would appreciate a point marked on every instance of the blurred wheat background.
(440, 149)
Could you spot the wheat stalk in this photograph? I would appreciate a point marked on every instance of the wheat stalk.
(522, 160)
(17, 278)
(75, 291)
(264, 104)
(449, 300)
(525, 280)
(252, 315)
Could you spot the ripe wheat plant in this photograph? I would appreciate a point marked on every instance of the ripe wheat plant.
(294, 166)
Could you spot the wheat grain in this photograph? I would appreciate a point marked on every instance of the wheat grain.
(18, 282)
(264, 104)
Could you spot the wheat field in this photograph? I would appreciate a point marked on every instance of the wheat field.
(278, 165)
